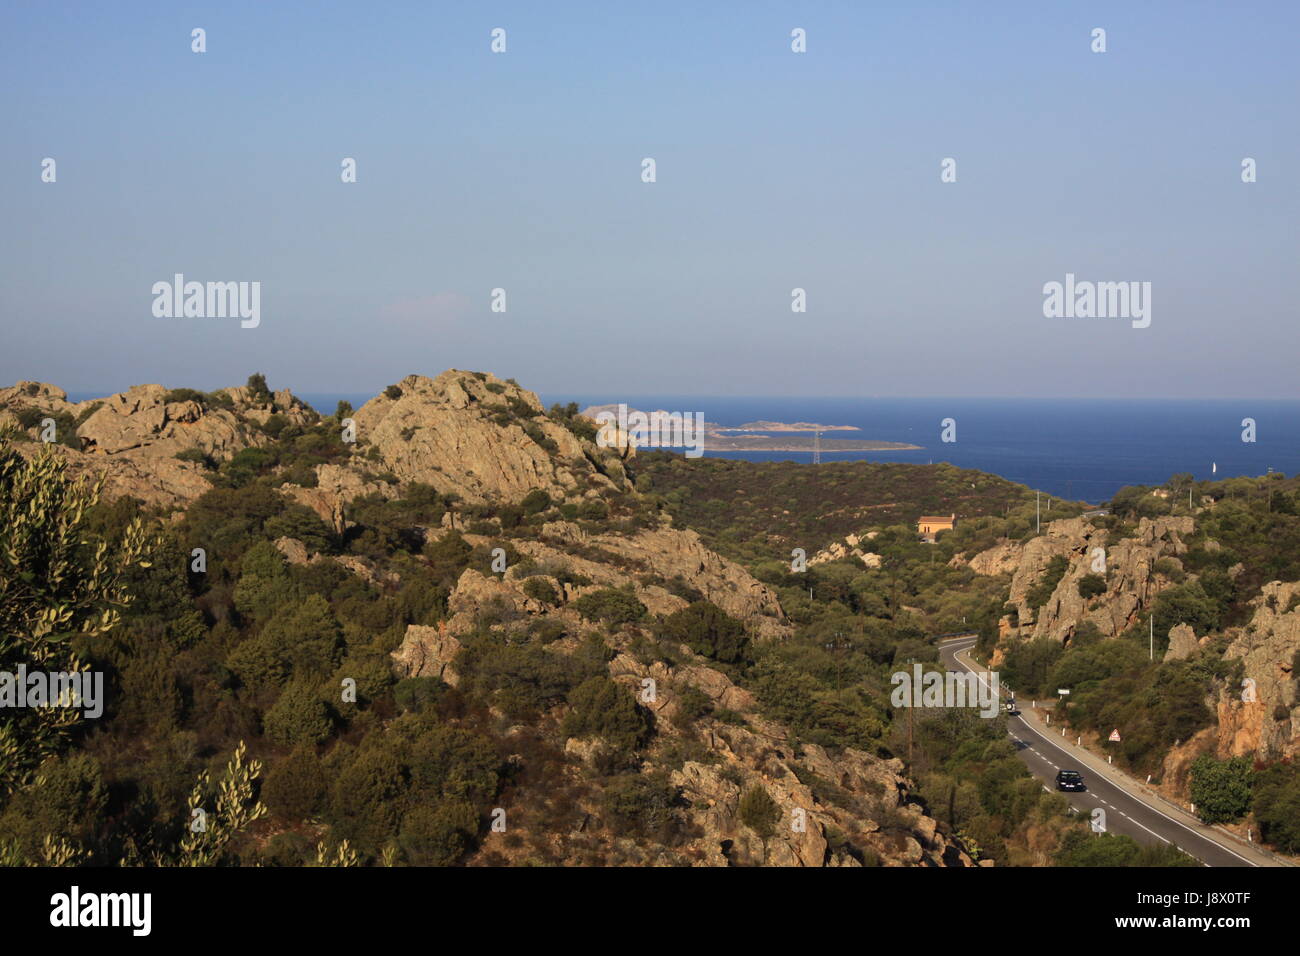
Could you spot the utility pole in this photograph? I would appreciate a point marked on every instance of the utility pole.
(817, 448)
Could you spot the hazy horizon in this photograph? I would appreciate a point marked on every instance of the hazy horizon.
(78, 394)
(775, 171)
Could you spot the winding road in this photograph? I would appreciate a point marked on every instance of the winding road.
(1129, 808)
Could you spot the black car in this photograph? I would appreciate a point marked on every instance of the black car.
(1070, 780)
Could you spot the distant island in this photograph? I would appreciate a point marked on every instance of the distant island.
(766, 426)
(718, 441)
(724, 438)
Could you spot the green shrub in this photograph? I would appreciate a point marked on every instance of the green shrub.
(296, 787)
(610, 606)
(438, 835)
(708, 630)
(365, 799)
(1276, 805)
(1221, 788)
(1091, 585)
(535, 501)
(1042, 591)
(185, 395)
(760, 813)
(259, 392)
(198, 456)
(601, 708)
(540, 589)
(418, 693)
(298, 716)
(642, 806)
(1081, 848)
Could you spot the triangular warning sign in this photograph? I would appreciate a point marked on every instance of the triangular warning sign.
(1114, 734)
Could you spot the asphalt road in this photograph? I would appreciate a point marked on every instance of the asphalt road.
(1126, 813)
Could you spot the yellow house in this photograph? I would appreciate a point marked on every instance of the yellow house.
(927, 526)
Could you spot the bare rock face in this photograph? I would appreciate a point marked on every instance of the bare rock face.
(670, 681)
(746, 751)
(848, 548)
(257, 408)
(1182, 643)
(762, 755)
(468, 434)
(1003, 558)
(1267, 724)
(163, 482)
(1061, 539)
(39, 394)
(295, 552)
(428, 652)
(133, 437)
(667, 553)
(336, 485)
(1131, 580)
(141, 419)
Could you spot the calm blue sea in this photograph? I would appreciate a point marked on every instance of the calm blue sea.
(1075, 448)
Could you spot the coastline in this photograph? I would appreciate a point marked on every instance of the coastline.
(716, 442)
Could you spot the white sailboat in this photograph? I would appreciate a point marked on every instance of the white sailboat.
(1214, 468)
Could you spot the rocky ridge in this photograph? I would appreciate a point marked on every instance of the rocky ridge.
(132, 438)
(851, 798)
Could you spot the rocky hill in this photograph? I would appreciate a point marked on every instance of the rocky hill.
(470, 548)
(1128, 565)
(1240, 648)
(133, 438)
(482, 439)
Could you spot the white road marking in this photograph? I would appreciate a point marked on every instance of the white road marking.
(1148, 806)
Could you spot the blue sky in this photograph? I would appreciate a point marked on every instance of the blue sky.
(775, 170)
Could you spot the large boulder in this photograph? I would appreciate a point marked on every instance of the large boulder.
(483, 439)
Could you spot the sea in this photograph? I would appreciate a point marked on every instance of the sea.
(1078, 449)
